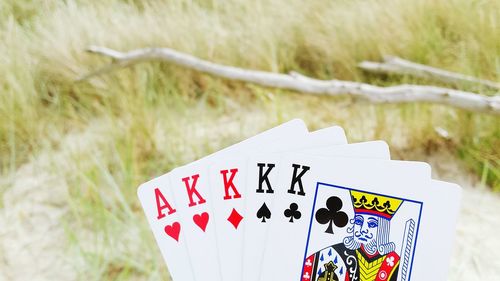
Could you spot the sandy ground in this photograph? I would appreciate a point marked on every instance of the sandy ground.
(32, 236)
(32, 233)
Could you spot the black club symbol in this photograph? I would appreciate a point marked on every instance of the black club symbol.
(293, 212)
(332, 214)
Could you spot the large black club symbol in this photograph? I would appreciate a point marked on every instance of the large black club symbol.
(332, 214)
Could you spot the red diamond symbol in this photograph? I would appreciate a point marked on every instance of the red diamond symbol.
(235, 218)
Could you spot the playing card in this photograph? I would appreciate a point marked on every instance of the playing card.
(259, 205)
(227, 181)
(191, 190)
(386, 237)
(360, 220)
(162, 210)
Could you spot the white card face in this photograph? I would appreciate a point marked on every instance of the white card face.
(227, 178)
(440, 210)
(191, 191)
(202, 246)
(260, 201)
(328, 235)
(369, 150)
(163, 210)
(163, 217)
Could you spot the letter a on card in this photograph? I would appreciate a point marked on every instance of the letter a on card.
(169, 229)
(161, 204)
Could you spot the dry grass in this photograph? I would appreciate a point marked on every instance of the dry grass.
(154, 117)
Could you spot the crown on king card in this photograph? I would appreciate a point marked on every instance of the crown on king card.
(374, 204)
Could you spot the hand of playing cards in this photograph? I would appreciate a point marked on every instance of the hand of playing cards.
(291, 205)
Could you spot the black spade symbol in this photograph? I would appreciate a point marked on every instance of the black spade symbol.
(264, 213)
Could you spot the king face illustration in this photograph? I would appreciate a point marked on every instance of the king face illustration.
(366, 254)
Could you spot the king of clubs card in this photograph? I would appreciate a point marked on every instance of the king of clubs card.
(360, 236)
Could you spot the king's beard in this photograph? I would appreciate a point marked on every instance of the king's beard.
(371, 247)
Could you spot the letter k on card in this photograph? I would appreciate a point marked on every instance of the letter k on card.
(191, 189)
(201, 218)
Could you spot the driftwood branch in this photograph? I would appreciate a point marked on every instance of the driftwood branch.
(297, 82)
(399, 66)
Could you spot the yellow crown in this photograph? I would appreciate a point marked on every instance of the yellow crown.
(374, 204)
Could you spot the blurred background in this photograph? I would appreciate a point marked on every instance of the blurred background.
(73, 153)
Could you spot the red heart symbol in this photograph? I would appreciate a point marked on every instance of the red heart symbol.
(173, 230)
(201, 220)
